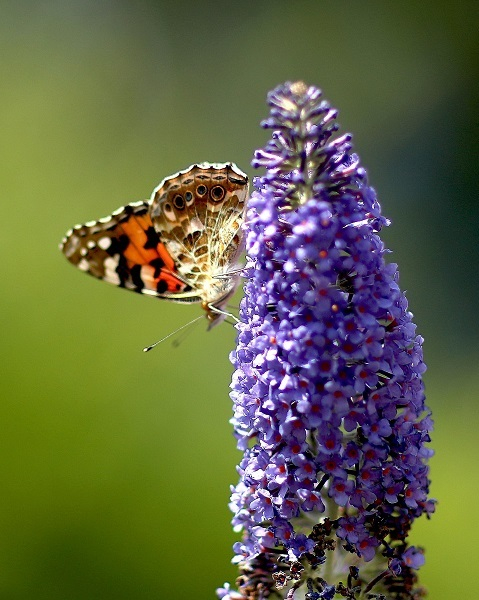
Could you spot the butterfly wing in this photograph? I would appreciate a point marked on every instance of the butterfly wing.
(199, 212)
(125, 249)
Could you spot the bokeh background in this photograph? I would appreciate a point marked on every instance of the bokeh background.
(115, 465)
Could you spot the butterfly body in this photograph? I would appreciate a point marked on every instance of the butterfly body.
(182, 245)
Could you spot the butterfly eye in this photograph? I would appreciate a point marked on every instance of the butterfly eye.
(188, 198)
(179, 202)
(217, 193)
(201, 190)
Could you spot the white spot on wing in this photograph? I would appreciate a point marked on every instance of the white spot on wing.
(71, 247)
(147, 275)
(110, 264)
(148, 292)
(83, 265)
(104, 243)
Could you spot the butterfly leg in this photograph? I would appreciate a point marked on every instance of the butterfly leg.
(216, 315)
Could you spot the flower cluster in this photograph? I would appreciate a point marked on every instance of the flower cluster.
(328, 394)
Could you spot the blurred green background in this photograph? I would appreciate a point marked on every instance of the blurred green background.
(115, 465)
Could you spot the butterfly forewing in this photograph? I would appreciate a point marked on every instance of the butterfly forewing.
(124, 249)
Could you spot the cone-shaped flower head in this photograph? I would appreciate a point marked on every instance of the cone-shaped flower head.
(328, 393)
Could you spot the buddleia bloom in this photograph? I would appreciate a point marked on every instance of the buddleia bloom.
(329, 405)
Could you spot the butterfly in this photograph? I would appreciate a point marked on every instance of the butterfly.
(182, 245)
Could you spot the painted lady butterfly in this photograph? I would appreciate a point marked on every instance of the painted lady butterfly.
(182, 245)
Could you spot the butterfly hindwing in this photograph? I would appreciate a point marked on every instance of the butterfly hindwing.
(199, 212)
(124, 249)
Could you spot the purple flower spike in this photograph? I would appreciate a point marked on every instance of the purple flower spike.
(328, 393)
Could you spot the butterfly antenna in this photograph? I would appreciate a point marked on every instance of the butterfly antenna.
(148, 348)
(182, 336)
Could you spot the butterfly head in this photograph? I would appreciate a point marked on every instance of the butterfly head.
(216, 311)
